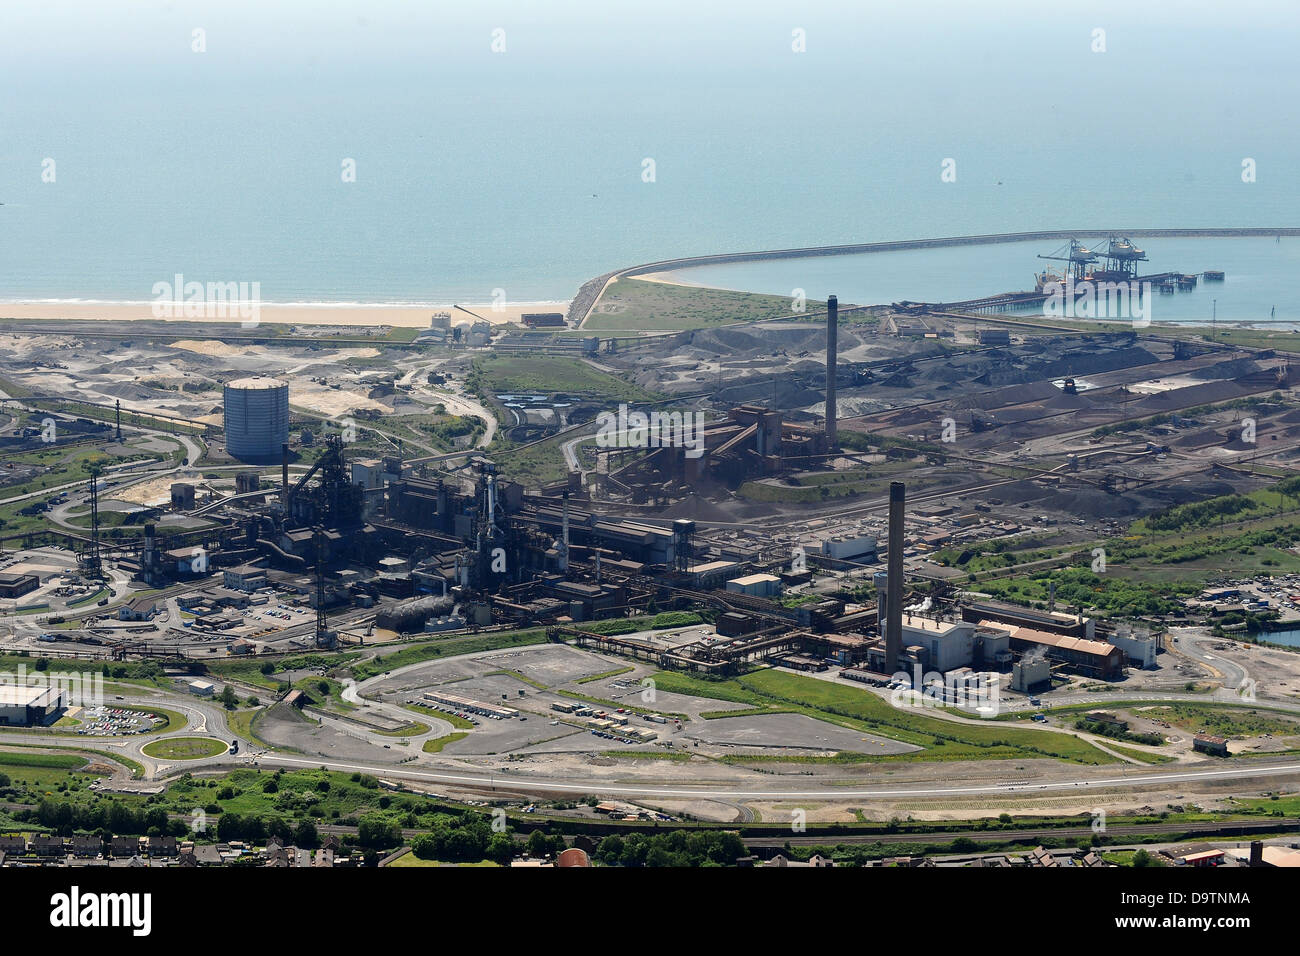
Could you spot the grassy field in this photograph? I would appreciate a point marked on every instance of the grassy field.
(9, 758)
(1140, 755)
(184, 748)
(1162, 556)
(325, 693)
(861, 710)
(446, 647)
(1232, 722)
(411, 860)
(551, 373)
(535, 464)
(243, 724)
(638, 305)
(250, 671)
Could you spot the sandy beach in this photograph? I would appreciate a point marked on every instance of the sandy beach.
(350, 314)
(668, 278)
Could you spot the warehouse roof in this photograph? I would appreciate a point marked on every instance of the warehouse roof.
(18, 695)
(755, 579)
(1078, 645)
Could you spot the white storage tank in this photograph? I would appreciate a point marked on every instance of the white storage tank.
(256, 418)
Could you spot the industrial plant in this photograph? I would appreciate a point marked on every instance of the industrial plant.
(705, 562)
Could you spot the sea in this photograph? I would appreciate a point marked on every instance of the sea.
(430, 153)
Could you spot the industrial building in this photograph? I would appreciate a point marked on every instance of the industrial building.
(16, 585)
(1031, 673)
(759, 585)
(945, 645)
(469, 705)
(1094, 658)
(1210, 744)
(1139, 647)
(23, 706)
(256, 418)
(850, 547)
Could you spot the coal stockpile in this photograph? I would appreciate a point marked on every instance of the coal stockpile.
(1092, 502)
(1089, 503)
(1232, 368)
(1193, 395)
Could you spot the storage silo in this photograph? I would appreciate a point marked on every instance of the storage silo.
(257, 418)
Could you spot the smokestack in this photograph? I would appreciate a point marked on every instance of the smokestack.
(832, 355)
(284, 474)
(564, 557)
(894, 597)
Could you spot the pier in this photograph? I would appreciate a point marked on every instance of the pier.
(1010, 301)
(591, 291)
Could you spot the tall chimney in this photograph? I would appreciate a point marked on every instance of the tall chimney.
(832, 355)
(284, 474)
(894, 595)
(564, 555)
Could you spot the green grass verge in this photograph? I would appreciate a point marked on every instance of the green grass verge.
(435, 746)
(605, 676)
(184, 748)
(458, 722)
(51, 761)
(507, 672)
(673, 755)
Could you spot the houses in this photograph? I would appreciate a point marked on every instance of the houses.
(45, 844)
(125, 847)
(13, 845)
(92, 850)
(87, 847)
(814, 860)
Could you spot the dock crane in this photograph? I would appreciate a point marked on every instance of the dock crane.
(1079, 256)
